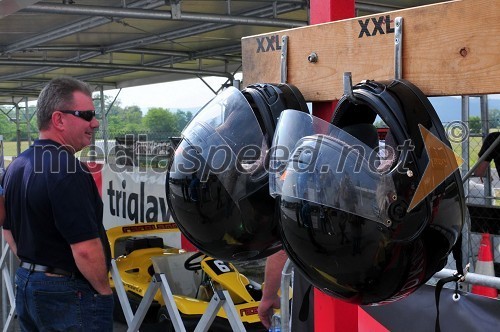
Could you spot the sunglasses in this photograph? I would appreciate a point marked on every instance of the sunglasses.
(85, 115)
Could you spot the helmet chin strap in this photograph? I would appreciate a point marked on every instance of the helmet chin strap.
(458, 276)
(270, 100)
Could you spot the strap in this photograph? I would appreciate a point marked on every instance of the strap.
(304, 308)
(457, 255)
(437, 293)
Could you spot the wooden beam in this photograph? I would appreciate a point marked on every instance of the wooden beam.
(450, 48)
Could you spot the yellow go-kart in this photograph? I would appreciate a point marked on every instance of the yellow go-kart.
(141, 250)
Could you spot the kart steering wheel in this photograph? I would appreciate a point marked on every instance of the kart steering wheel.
(193, 266)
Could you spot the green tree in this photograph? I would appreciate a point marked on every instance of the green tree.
(7, 127)
(125, 121)
(160, 120)
(183, 118)
(111, 106)
(474, 124)
(132, 117)
(494, 116)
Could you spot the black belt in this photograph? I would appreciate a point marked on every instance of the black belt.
(47, 269)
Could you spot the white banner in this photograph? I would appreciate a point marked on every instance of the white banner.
(133, 196)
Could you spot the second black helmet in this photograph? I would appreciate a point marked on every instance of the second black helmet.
(217, 182)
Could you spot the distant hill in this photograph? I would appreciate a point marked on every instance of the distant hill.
(193, 110)
(450, 108)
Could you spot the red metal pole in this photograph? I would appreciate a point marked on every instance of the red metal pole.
(330, 314)
(326, 11)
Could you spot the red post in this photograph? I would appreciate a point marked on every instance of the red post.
(186, 245)
(326, 11)
(330, 314)
(96, 171)
(331, 10)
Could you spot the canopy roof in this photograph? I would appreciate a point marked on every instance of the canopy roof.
(123, 43)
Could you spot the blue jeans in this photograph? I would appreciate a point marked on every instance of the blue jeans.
(59, 303)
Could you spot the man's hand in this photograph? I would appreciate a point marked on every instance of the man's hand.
(266, 309)
(7, 235)
(481, 170)
(90, 260)
(272, 282)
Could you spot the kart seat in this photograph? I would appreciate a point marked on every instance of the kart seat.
(142, 242)
(181, 281)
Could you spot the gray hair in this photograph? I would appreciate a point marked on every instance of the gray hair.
(58, 95)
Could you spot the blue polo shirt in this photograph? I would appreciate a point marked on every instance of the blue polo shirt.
(51, 202)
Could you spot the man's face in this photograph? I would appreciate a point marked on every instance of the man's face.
(78, 133)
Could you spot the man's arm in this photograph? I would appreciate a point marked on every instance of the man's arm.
(7, 235)
(270, 299)
(2, 208)
(90, 260)
(481, 169)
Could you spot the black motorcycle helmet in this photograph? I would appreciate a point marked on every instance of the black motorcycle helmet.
(217, 182)
(346, 217)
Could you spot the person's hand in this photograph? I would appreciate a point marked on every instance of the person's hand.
(481, 170)
(106, 291)
(266, 309)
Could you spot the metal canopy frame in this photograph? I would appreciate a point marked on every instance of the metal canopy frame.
(123, 43)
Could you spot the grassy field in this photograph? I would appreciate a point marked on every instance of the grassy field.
(10, 148)
(474, 147)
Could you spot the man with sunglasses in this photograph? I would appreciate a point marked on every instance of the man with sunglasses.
(54, 219)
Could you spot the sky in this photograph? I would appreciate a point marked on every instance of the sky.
(190, 93)
(186, 94)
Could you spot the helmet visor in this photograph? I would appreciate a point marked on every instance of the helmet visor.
(229, 143)
(314, 161)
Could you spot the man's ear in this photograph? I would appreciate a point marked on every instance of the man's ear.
(57, 121)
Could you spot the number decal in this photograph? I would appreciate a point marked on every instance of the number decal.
(219, 267)
(222, 266)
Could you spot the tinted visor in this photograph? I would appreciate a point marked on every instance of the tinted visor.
(228, 139)
(315, 161)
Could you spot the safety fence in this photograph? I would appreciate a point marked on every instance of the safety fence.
(482, 199)
(144, 149)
